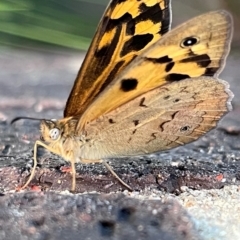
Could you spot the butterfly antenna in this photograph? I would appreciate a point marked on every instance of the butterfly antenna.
(28, 118)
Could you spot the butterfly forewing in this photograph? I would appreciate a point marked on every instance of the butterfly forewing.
(127, 28)
(195, 48)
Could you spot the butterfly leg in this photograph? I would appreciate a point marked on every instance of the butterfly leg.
(73, 175)
(34, 162)
(110, 169)
(37, 143)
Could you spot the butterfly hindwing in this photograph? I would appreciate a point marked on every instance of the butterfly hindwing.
(161, 119)
(127, 28)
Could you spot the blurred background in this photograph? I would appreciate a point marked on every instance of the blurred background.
(42, 45)
(71, 23)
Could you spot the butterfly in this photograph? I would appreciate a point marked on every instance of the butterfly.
(142, 88)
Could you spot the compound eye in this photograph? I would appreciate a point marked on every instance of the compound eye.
(54, 133)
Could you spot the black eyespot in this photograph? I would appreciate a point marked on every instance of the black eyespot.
(189, 41)
(184, 129)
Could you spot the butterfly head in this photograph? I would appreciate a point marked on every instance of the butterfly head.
(54, 130)
(50, 130)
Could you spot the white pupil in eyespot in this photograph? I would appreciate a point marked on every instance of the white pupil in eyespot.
(189, 42)
(54, 133)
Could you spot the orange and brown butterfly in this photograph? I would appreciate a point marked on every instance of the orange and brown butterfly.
(142, 89)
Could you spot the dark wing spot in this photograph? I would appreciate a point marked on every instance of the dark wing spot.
(129, 84)
(166, 97)
(141, 104)
(156, 15)
(150, 13)
(102, 51)
(113, 23)
(161, 126)
(104, 54)
(152, 138)
(176, 100)
(201, 60)
(130, 29)
(174, 114)
(176, 77)
(146, 13)
(136, 122)
(169, 66)
(111, 121)
(136, 43)
(160, 60)
(210, 71)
